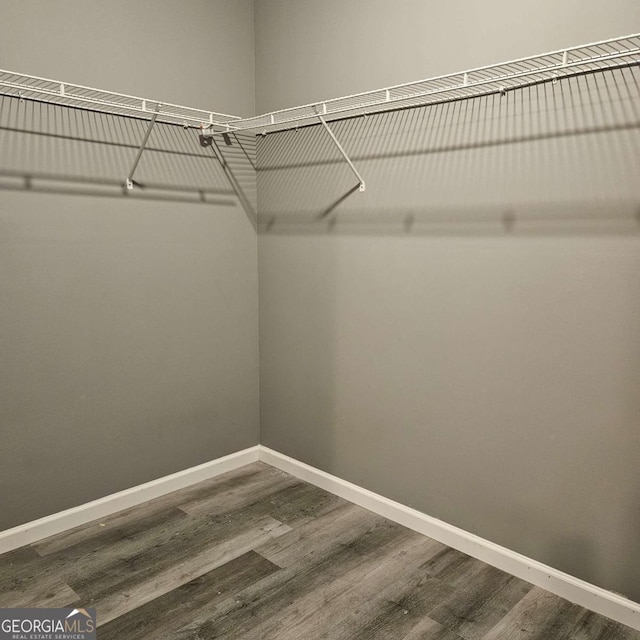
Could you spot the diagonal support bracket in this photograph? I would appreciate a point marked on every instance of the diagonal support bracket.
(129, 183)
(343, 152)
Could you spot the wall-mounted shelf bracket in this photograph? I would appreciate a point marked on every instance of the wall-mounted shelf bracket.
(206, 139)
(129, 183)
(343, 152)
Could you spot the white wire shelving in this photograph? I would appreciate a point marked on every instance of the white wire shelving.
(28, 87)
(615, 53)
(496, 78)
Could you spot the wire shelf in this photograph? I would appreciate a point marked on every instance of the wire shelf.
(496, 78)
(74, 95)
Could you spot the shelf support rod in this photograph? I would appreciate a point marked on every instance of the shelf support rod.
(129, 182)
(343, 152)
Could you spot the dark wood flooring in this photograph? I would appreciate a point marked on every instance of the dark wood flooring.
(257, 554)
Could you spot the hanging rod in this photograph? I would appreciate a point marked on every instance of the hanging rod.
(496, 78)
(66, 94)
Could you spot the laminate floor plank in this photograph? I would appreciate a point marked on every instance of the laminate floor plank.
(119, 592)
(454, 567)
(330, 608)
(130, 538)
(248, 615)
(23, 561)
(428, 629)
(292, 503)
(258, 489)
(90, 560)
(591, 625)
(309, 502)
(37, 591)
(541, 615)
(256, 554)
(396, 617)
(173, 541)
(100, 533)
(381, 609)
(477, 605)
(245, 477)
(94, 567)
(318, 536)
(26, 580)
(179, 607)
(92, 552)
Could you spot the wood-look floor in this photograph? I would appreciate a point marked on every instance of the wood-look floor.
(257, 555)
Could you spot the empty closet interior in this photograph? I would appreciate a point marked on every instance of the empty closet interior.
(427, 288)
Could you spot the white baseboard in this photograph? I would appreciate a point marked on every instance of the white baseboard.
(596, 599)
(600, 600)
(65, 520)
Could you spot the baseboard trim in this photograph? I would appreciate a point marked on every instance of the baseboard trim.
(585, 594)
(64, 520)
(595, 598)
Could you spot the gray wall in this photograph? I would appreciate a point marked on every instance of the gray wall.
(464, 336)
(129, 329)
(309, 51)
(198, 53)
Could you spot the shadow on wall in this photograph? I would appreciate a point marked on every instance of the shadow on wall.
(462, 337)
(47, 148)
(547, 159)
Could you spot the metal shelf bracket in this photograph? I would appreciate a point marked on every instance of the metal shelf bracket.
(343, 152)
(129, 181)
